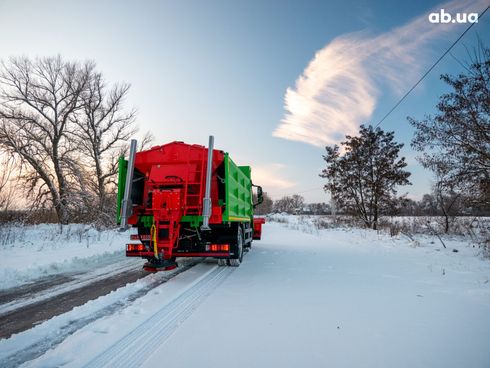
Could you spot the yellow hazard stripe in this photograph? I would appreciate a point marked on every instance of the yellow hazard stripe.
(239, 218)
(153, 235)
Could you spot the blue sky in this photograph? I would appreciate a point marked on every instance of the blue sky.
(224, 68)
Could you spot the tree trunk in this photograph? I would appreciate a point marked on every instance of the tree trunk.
(61, 206)
(375, 216)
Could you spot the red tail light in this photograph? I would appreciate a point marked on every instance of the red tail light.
(135, 247)
(219, 247)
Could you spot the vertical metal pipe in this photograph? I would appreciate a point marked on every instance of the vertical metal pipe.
(127, 205)
(206, 208)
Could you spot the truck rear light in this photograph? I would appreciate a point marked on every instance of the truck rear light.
(135, 247)
(219, 247)
(139, 237)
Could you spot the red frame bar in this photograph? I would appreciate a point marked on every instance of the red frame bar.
(139, 237)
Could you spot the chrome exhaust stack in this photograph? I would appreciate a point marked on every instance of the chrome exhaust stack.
(126, 204)
(206, 206)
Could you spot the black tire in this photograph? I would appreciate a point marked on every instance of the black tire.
(237, 259)
(248, 246)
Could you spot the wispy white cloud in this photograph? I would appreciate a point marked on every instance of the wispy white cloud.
(338, 90)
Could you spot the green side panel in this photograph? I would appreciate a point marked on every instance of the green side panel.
(238, 192)
(121, 185)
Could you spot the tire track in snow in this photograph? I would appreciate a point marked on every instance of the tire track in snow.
(19, 297)
(134, 348)
(44, 342)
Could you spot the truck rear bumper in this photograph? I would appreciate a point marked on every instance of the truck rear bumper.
(203, 254)
(146, 254)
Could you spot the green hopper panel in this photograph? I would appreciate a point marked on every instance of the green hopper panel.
(238, 192)
(121, 185)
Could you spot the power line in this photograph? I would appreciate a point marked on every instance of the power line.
(430, 69)
(459, 62)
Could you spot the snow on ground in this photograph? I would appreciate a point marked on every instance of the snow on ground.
(335, 297)
(30, 252)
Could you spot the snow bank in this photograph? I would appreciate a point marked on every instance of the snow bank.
(471, 231)
(30, 252)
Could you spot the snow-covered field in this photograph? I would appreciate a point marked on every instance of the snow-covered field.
(303, 297)
(31, 252)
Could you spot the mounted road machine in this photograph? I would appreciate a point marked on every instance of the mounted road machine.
(186, 201)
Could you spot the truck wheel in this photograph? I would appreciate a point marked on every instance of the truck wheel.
(235, 262)
(222, 262)
(248, 246)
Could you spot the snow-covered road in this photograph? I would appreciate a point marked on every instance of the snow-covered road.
(337, 298)
(62, 283)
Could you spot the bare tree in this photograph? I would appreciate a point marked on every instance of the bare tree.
(319, 208)
(68, 129)
(289, 204)
(265, 207)
(37, 100)
(7, 165)
(447, 193)
(428, 205)
(146, 141)
(457, 137)
(102, 129)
